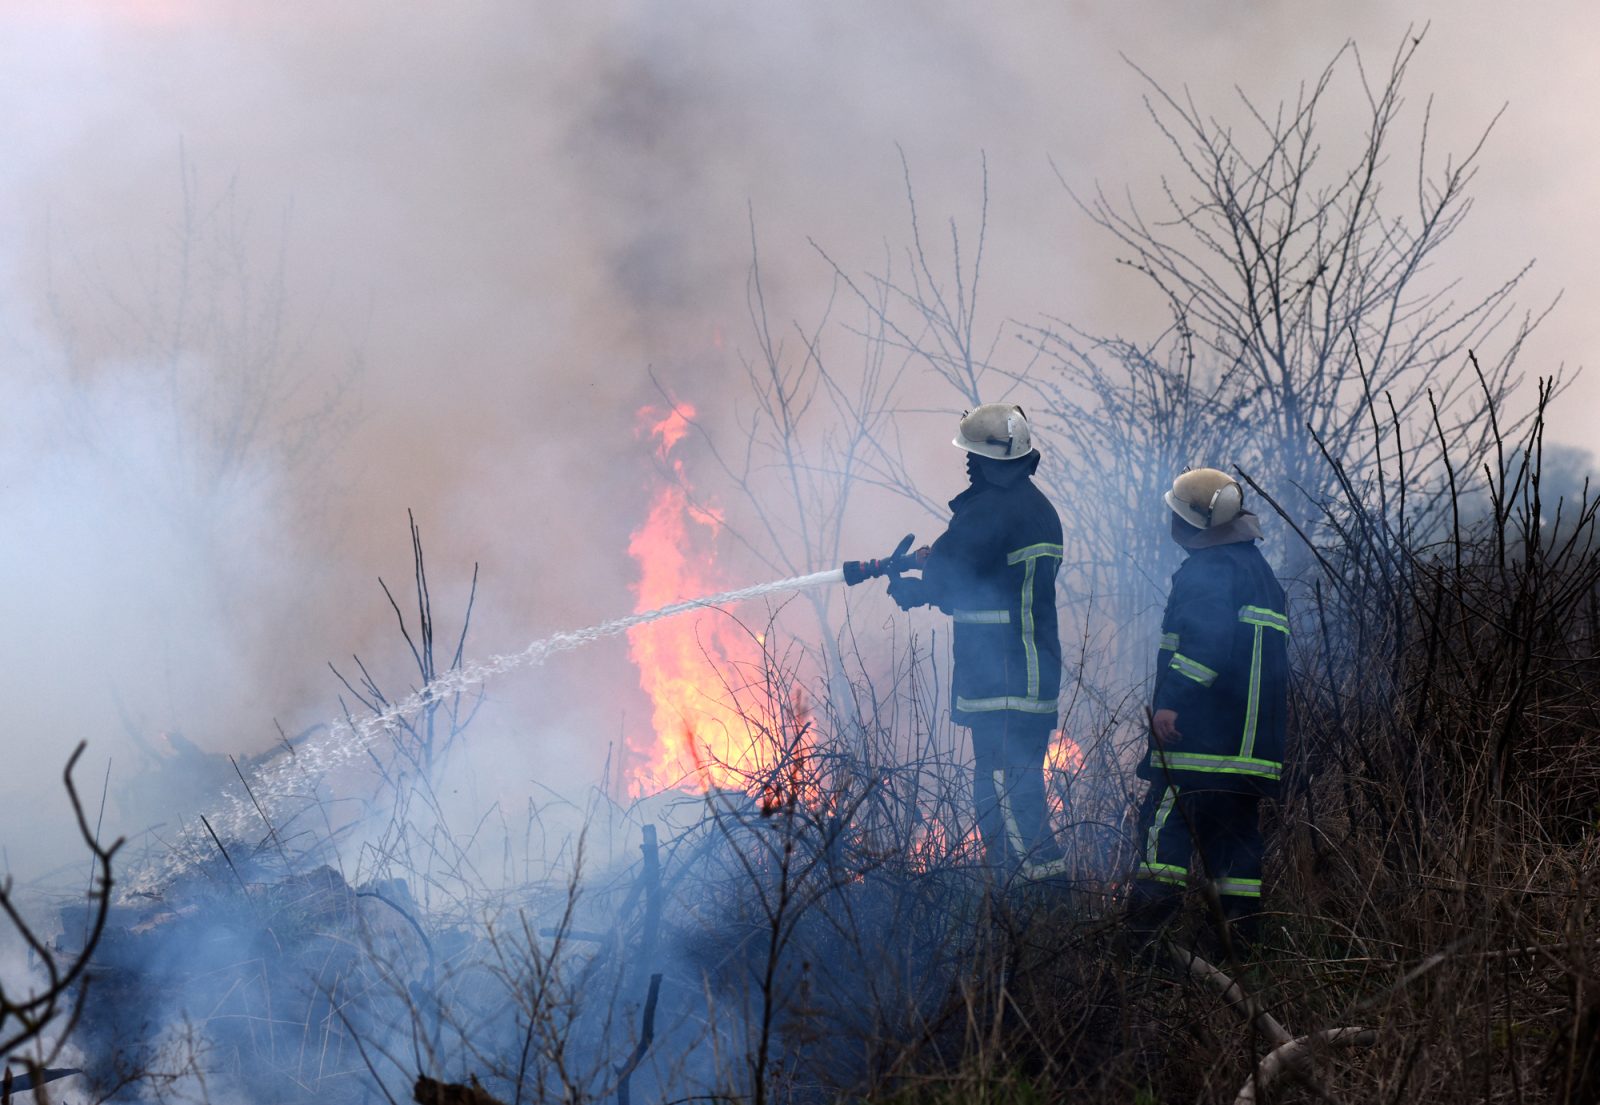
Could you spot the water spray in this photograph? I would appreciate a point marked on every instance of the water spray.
(345, 740)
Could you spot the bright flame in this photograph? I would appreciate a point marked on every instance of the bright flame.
(1062, 763)
(1064, 755)
(686, 664)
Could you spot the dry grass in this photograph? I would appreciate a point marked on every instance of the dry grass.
(825, 931)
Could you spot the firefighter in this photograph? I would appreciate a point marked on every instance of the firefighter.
(994, 572)
(1217, 715)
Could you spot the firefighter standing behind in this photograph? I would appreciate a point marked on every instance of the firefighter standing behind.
(994, 572)
(1218, 713)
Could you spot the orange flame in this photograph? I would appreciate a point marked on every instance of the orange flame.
(687, 664)
(1064, 755)
(1062, 761)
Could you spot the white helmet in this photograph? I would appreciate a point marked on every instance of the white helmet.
(1206, 498)
(995, 430)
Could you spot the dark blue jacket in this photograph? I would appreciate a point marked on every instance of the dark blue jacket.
(1223, 666)
(994, 572)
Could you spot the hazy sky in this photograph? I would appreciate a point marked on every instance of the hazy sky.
(494, 220)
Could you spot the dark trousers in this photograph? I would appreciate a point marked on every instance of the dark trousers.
(1179, 821)
(1009, 748)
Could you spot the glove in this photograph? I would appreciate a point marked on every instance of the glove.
(908, 592)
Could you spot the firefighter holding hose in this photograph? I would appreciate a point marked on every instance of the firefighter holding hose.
(1218, 714)
(994, 572)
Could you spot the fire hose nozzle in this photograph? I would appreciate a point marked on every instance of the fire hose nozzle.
(901, 560)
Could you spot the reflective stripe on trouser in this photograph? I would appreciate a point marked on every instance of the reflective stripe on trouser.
(1008, 785)
(1036, 848)
(1013, 830)
(1165, 855)
(1177, 821)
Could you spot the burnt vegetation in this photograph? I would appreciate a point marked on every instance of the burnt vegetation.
(826, 931)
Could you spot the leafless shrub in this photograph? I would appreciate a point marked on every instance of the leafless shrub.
(207, 320)
(36, 1021)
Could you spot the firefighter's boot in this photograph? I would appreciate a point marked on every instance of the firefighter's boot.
(1152, 907)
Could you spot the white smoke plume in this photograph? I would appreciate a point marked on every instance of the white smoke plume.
(492, 222)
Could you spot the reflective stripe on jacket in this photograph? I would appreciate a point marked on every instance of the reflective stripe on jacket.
(1223, 667)
(994, 572)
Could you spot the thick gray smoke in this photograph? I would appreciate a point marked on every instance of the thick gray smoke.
(447, 247)
(273, 274)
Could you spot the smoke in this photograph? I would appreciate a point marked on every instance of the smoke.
(134, 587)
(271, 275)
(509, 216)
